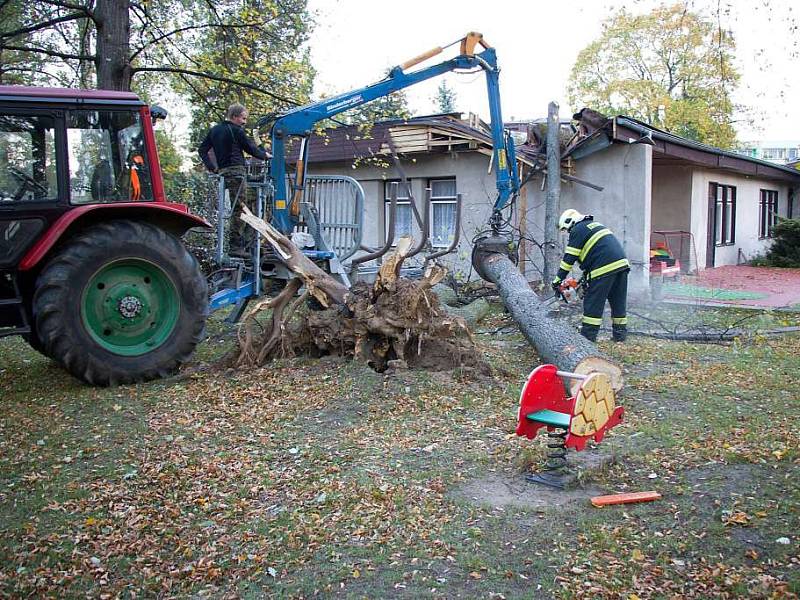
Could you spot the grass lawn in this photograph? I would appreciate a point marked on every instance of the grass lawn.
(322, 477)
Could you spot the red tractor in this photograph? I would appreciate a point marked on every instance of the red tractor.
(92, 269)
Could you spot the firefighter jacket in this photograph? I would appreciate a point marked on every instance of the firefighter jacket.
(595, 248)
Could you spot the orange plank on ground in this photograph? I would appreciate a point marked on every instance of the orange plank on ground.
(625, 498)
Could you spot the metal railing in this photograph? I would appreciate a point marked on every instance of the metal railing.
(339, 204)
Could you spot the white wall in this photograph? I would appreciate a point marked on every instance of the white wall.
(473, 181)
(747, 215)
(672, 198)
(625, 173)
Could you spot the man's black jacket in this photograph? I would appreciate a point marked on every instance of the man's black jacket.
(228, 141)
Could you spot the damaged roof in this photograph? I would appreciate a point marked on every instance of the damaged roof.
(669, 148)
(443, 133)
(428, 134)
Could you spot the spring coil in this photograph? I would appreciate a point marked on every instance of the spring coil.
(557, 456)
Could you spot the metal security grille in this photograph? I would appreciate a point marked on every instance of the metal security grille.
(339, 202)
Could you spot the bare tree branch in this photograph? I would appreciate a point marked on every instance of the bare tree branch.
(42, 25)
(248, 86)
(50, 52)
(70, 5)
(157, 39)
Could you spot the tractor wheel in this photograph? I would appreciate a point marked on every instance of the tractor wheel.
(121, 302)
(34, 342)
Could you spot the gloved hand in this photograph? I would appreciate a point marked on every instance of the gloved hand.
(556, 285)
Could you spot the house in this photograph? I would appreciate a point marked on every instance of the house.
(711, 206)
(780, 151)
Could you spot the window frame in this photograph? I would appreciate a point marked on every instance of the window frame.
(767, 213)
(441, 200)
(146, 171)
(59, 141)
(401, 201)
(725, 197)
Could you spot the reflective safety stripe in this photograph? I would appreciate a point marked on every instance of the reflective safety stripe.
(591, 242)
(594, 225)
(565, 265)
(573, 251)
(557, 280)
(619, 320)
(592, 320)
(614, 266)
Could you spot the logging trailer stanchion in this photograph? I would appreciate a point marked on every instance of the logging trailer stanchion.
(570, 421)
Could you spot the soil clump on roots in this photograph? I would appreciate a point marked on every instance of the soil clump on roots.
(395, 323)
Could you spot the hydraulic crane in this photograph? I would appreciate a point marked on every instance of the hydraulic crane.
(299, 123)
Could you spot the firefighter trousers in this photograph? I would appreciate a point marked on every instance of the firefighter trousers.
(614, 288)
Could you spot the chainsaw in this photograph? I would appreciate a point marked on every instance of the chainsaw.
(570, 291)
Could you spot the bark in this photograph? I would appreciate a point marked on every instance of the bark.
(113, 45)
(318, 283)
(555, 342)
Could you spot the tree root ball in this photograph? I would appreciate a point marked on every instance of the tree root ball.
(395, 327)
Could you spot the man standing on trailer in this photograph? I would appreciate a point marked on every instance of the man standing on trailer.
(605, 271)
(229, 143)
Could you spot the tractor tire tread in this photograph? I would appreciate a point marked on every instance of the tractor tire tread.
(101, 368)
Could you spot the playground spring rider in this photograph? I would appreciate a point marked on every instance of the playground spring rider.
(570, 422)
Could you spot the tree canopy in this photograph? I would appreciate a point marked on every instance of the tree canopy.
(671, 68)
(212, 51)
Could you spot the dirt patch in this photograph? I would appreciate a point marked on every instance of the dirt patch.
(498, 490)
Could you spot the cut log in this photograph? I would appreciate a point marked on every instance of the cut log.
(555, 341)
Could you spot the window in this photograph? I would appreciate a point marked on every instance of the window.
(107, 157)
(767, 213)
(443, 211)
(724, 213)
(27, 158)
(403, 217)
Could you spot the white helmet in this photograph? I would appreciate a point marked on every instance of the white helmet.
(568, 218)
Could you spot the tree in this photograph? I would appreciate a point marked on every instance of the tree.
(270, 57)
(109, 42)
(392, 106)
(671, 68)
(445, 98)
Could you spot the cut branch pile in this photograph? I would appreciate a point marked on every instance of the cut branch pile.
(395, 323)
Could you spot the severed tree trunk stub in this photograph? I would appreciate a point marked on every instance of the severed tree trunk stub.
(556, 342)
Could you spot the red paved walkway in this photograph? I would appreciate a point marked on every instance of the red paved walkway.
(782, 286)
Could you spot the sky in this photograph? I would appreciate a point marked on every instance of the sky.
(537, 42)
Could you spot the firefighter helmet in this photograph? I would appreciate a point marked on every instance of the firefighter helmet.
(568, 218)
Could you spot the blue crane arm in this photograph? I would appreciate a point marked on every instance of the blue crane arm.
(299, 122)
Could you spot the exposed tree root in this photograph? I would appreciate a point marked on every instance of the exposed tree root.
(395, 323)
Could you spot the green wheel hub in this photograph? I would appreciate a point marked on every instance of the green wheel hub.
(130, 307)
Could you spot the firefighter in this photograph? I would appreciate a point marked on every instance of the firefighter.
(605, 271)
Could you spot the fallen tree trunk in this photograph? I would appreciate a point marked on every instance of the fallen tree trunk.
(555, 342)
